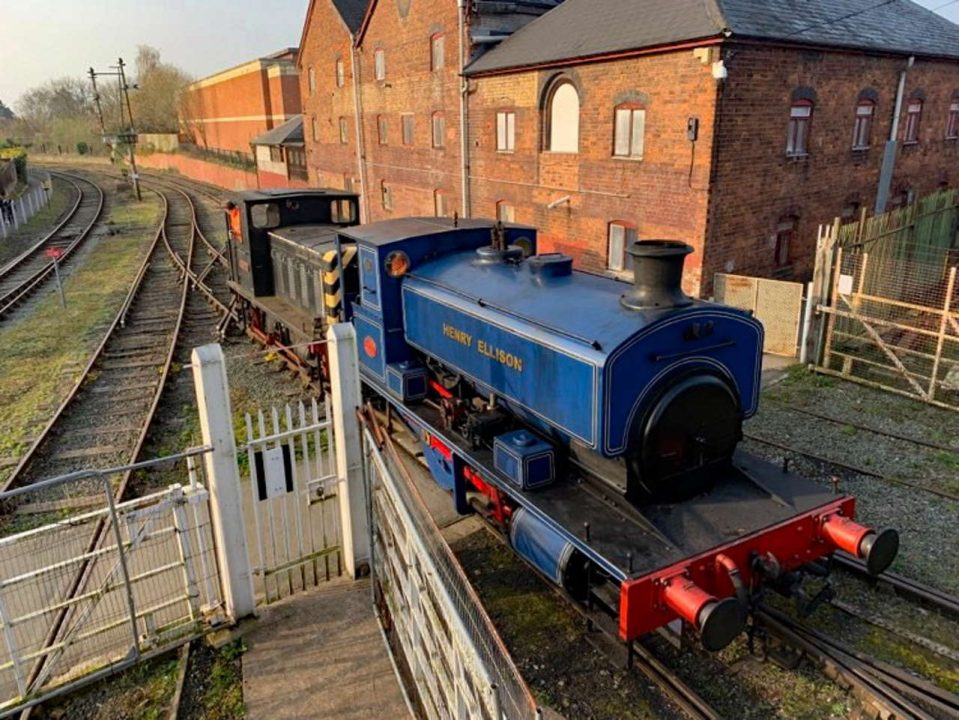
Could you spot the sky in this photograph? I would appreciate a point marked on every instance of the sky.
(52, 38)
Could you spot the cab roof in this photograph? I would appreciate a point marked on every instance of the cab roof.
(388, 232)
(281, 193)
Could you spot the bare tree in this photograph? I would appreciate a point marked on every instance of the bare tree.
(158, 88)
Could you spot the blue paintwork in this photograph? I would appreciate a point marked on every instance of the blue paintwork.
(557, 348)
(525, 459)
(539, 543)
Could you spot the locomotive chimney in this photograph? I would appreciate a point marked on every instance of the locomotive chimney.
(657, 275)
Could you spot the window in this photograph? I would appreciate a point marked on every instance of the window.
(344, 131)
(340, 73)
(952, 124)
(315, 129)
(386, 195)
(439, 203)
(265, 216)
(785, 236)
(437, 52)
(381, 129)
(621, 236)
(505, 212)
(343, 211)
(913, 118)
(407, 121)
(505, 131)
(563, 115)
(629, 132)
(276, 153)
(800, 115)
(379, 65)
(862, 130)
(439, 130)
(348, 182)
(312, 79)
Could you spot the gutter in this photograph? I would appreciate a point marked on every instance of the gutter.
(358, 133)
(464, 112)
(892, 145)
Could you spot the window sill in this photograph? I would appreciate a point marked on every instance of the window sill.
(952, 139)
(910, 143)
(783, 271)
(628, 158)
(506, 152)
(797, 157)
(861, 150)
(561, 153)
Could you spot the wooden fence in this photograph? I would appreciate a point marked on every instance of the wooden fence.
(888, 300)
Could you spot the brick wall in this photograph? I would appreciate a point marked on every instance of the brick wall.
(208, 172)
(330, 162)
(756, 185)
(663, 195)
(413, 173)
(225, 112)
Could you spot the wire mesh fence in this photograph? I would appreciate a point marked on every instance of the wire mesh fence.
(95, 589)
(893, 317)
(458, 662)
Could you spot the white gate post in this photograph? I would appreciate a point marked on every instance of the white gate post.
(346, 399)
(226, 509)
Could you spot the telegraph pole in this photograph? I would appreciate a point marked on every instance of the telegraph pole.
(129, 134)
(133, 135)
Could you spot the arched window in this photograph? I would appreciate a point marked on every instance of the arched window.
(913, 120)
(862, 129)
(563, 114)
(952, 124)
(800, 117)
(312, 79)
(340, 73)
(629, 131)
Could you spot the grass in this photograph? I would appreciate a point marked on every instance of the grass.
(223, 697)
(45, 351)
(143, 692)
(42, 222)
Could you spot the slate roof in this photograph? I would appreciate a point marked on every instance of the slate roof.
(352, 12)
(580, 29)
(289, 133)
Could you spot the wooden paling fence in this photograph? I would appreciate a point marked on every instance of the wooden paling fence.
(889, 301)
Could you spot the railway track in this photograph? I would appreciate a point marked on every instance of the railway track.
(104, 419)
(887, 691)
(911, 483)
(22, 276)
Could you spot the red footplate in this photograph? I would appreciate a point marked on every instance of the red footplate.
(692, 585)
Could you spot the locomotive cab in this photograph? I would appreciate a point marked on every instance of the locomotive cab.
(289, 269)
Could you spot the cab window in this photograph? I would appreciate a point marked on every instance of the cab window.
(343, 211)
(265, 216)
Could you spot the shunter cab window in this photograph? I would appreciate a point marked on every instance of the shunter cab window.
(342, 211)
(265, 216)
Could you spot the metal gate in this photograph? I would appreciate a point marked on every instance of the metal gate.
(101, 589)
(775, 303)
(292, 513)
(456, 659)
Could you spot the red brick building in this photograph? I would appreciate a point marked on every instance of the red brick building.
(225, 112)
(734, 125)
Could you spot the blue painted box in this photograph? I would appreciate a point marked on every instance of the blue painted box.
(406, 381)
(525, 459)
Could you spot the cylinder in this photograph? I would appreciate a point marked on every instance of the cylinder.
(657, 275)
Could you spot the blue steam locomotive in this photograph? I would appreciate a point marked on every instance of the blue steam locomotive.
(596, 423)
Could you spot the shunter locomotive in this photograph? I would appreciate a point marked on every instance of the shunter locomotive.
(596, 423)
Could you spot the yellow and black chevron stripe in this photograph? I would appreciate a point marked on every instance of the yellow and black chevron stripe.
(332, 281)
